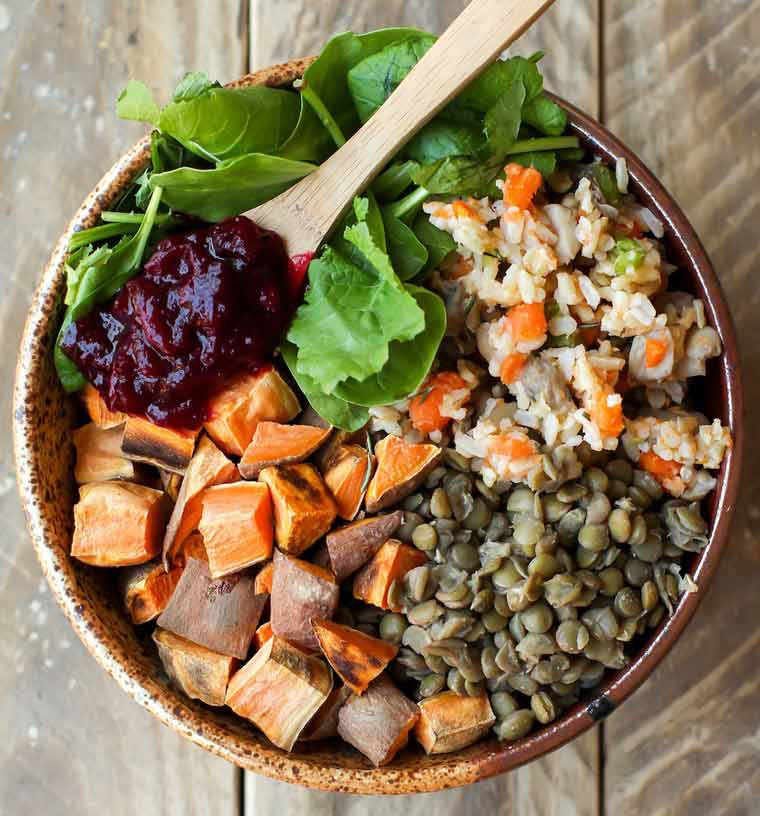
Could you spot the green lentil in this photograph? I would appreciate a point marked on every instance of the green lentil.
(543, 707)
(503, 704)
(537, 618)
(617, 489)
(545, 565)
(637, 573)
(440, 506)
(638, 531)
(493, 621)
(501, 606)
(594, 537)
(465, 556)
(639, 497)
(572, 491)
(515, 726)
(621, 470)
(612, 581)
(392, 627)
(619, 523)
(505, 577)
(431, 685)
(648, 484)
(596, 480)
(649, 596)
(572, 636)
(553, 508)
(628, 603)
(521, 500)
(649, 550)
(455, 681)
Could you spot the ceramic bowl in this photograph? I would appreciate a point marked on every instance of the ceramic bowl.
(43, 418)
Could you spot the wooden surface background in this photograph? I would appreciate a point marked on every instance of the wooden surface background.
(679, 81)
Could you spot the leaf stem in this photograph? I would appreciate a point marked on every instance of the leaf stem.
(100, 233)
(323, 114)
(408, 203)
(543, 143)
(112, 217)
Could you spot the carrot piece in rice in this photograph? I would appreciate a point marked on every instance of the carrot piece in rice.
(609, 418)
(512, 367)
(660, 468)
(526, 322)
(521, 184)
(512, 445)
(655, 351)
(425, 408)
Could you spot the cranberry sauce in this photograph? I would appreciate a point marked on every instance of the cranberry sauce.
(208, 304)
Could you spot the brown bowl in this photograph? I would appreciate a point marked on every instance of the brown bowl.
(43, 418)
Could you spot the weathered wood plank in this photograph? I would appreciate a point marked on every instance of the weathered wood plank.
(682, 89)
(73, 742)
(566, 782)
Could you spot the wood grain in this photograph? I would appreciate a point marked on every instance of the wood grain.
(686, 99)
(73, 742)
(565, 782)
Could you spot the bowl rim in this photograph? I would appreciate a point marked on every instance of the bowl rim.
(443, 771)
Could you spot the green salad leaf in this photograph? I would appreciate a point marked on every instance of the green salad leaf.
(192, 84)
(440, 139)
(438, 243)
(503, 118)
(408, 362)
(393, 181)
(459, 175)
(136, 102)
(545, 162)
(545, 116)
(407, 253)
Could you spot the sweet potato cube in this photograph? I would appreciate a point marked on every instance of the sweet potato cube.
(98, 411)
(263, 580)
(279, 690)
(99, 457)
(450, 722)
(378, 723)
(171, 483)
(118, 524)
(390, 563)
(304, 510)
(209, 466)
(324, 724)
(166, 448)
(356, 657)
(236, 525)
(262, 635)
(401, 468)
(347, 476)
(146, 589)
(221, 614)
(349, 548)
(300, 592)
(276, 444)
(197, 671)
(245, 402)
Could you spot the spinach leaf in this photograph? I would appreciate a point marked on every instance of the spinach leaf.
(408, 362)
(439, 244)
(136, 102)
(607, 182)
(231, 188)
(503, 118)
(225, 123)
(545, 116)
(484, 91)
(192, 84)
(337, 412)
(440, 139)
(104, 272)
(392, 182)
(408, 255)
(545, 162)
(350, 315)
(458, 176)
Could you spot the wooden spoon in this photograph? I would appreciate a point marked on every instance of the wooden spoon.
(305, 214)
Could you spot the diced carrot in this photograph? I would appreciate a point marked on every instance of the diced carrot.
(118, 524)
(262, 635)
(462, 209)
(357, 658)
(522, 183)
(655, 351)
(425, 408)
(660, 468)
(401, 467)
(609, 418)
(276, 444)
(512, 367)
(263, 580)
(167, 448)
(514, 446)
(98, 411)
(236, 525)
(248, 400)
(526, 322)
(390, 563)
(347, 478)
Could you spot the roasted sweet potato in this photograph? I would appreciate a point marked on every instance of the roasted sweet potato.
(356, 657)
(171, 482)
(262, 635)
(337, 439)
(98, 411)
(390, 563)
(378, 723)
(166, 448)
(347, 476)
(401, 468)
(450, 722)
(263, 580)
(276, 444)
(197, 671)
(118, 524)
(209, 466)
(279, 690)
(349, 548)
(236, 525)
(324, 723)
(304, 510)
(250, 399)
(300, 592)
(221, 614)
(146, 589)
(99, 456)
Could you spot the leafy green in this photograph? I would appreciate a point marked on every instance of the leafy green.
(440, 139)
(348, 318)
(104, 272)
(337, 412)
(503, 118)
(545, 116)
(392, 182)
(408, 362)
(407, 253)
(231, 188)
(136, 102)
(545, 162)
(438, 243)
(458, 176)
(484, 92)
(193, 84)
(607, 182)
(627, 252)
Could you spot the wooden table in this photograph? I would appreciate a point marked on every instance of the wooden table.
(678, 81)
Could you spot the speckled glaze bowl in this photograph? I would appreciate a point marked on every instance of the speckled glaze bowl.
(43, 418)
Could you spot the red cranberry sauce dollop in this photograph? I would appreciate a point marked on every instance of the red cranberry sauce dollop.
(207, 305)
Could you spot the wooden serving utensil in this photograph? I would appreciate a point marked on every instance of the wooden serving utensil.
(305, 214)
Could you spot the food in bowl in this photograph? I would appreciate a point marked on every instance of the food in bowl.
(459, 499)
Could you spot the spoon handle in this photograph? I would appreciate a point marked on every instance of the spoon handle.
(306, 213)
